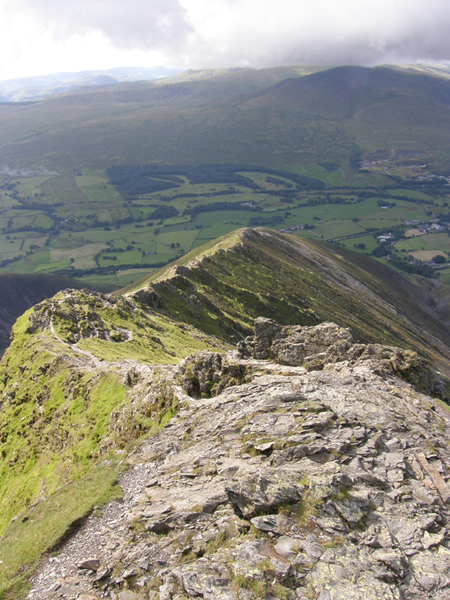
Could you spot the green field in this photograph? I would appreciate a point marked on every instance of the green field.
(435, 241)
(426, 247)
(82, 225)
(357, 243)
(337, 229)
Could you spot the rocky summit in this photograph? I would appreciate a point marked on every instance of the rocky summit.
(301, 465)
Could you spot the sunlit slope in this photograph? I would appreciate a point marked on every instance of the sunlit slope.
(326, 117)
(223, 286)
(76, 385)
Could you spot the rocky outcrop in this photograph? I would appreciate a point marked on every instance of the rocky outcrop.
(327, 343)
(19, 292)
(302, 466)
(78, 314)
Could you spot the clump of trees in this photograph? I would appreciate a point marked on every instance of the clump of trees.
(135, 180)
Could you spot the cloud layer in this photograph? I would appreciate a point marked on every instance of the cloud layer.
(201, 33)
(161, 24)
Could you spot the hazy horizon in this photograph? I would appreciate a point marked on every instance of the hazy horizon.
(41, 37)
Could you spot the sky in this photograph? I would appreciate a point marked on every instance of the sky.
(48, 36)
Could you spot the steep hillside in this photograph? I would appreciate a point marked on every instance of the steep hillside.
(89, 377)
(324, 117)
(261, 272)
(341, 92)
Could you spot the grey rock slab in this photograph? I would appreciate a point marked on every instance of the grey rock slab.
(89, 563)
(349, 511)
(429, 540)
(362, 590)
(438, 480)
(153, 510)
(160, 526)
(312, 549)
(166, 591)
(332, 525)
(393, 559)
(127, 595)
(267, 446)
(394, 460)
(264, 492)
(287, 547)
(432, 570)
(423, 493)
(395, 475)
(274, 523)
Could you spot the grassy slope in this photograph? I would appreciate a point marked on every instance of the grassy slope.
(262, 272)
(323, 117)
(50, 423)
(66, 408)
(43, 525)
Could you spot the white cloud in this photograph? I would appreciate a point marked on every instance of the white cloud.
(132, 24)
(83, 34)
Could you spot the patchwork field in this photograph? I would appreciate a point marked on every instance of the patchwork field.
(426, 246)
(115, 228)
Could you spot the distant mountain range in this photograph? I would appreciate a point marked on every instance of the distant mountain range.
(32, 88)
(28, 89)
(285, 117)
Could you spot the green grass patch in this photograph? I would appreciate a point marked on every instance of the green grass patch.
(131, 257)
(368, 241)
(31, 187)
(410, 194)
(379, 224)
(53, 266)
(98, 189)
(128, 276)
(435, 241)
(338, 229)
(63, 189)
(89, 250)
(101, 280)
(43, 222)
(10, 244)
(40, 527)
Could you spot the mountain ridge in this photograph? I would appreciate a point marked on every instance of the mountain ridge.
(94, 383)
(337, 272)
(276, 480)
